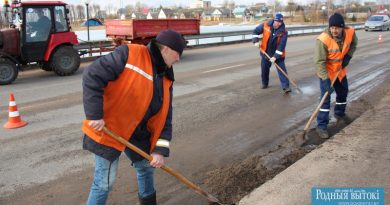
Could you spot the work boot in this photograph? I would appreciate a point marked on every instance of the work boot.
(344, 119)
(149, 200)
(286, 90)
(323, 133)
(264, 87)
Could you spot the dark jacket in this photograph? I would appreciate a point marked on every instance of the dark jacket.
(109, 68)
(272, 42)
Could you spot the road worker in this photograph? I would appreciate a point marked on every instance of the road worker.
(130, 92)
(334, 49)
(273, 43)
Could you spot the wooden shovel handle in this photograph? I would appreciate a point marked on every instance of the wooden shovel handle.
(172, 172)
(279, 68)
(321, 103)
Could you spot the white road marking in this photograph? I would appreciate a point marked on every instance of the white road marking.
(233, 66)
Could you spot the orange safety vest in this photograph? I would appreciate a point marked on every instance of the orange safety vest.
(267, 35)
(335, 56)
(126, 100)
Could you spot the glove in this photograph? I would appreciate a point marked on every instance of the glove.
(346, 60)
(327, 85)
(273, 59)
(256, 44)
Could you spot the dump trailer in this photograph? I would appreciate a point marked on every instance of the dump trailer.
(141, 31)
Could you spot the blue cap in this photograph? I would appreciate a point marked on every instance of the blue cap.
(278, 18)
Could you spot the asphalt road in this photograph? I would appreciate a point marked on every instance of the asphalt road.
(221, 116)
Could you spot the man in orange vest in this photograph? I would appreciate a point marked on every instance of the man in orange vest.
(273, 43)
(334, 49)
(130, 92)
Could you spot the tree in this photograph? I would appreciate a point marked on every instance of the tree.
(277, 6)
(72, 13)
(111, 11)
(138, 6)
(290, 8)
(225, 3)
(95, 11)
(129, 9)
(80, 12)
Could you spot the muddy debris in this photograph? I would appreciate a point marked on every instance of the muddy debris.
(234, 181)
(231, 183)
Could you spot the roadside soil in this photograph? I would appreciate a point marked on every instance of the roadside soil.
(231, 183)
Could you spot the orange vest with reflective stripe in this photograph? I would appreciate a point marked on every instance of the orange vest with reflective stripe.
(126, 100)
(335, 56)
(266, 35)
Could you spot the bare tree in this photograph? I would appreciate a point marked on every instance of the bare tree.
(129, 9)
(72, 13)
(96, 10)
(111, 11)
(80, 12)
(231, 4)
(225, 3)
(290, 8)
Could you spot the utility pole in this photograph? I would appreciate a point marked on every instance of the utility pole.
(329, 7)
(275, 7)
(87, 5)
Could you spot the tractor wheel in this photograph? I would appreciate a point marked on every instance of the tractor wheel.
(8, 71)
(65, 61)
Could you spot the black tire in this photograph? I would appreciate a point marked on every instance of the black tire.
(46, 67)
(1, 39)
(65, 61)
(8, 71)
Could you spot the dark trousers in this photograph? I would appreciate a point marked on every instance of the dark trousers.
(341, 90)
(265, 68)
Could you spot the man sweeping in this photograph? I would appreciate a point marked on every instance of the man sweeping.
(334, 49)
(273, 43)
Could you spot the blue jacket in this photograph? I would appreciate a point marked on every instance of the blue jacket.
(272, 42)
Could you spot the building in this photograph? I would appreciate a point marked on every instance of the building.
(196, 4)
(241, 12)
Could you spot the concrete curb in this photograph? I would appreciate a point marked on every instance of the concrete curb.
(358, 156)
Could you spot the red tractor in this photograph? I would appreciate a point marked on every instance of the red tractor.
(39, 34)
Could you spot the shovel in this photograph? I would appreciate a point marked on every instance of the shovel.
(304, 136)
(170, 171)
(281, 70)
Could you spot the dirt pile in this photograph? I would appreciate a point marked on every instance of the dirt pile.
(229, 184)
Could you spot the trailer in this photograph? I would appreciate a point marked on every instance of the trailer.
(141, 31)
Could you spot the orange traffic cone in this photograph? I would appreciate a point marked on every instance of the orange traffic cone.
(380, 38)
(14, 120)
